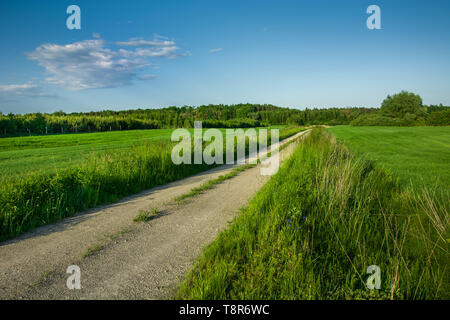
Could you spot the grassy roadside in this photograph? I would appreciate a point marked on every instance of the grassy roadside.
(209, 184)
(313, 230)
(43, 198)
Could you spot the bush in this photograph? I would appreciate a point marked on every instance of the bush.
(439, 118)
(379, 120)
(401, 104)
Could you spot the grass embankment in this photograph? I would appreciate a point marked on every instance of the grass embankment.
(313, 230)
(40, 198)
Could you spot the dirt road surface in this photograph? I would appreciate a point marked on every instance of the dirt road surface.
(123, 259)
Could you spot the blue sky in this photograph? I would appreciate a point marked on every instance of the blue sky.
(149, 54)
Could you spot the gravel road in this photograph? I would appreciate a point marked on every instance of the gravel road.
(122, 259)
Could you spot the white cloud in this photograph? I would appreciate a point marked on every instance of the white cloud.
(158, 36)
(166, 52)
(26, 89)
(16, 88)
(89, 64)
(147, 76)
(139, 42)
(12, 92)
(215, 50)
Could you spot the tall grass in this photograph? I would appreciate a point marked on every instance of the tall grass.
(313, 230)
(43, 198)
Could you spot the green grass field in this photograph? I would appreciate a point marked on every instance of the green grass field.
(313, 230)
(50, 177)
(419, 156)
(21, 156)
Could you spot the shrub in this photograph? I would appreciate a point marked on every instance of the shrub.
(439, 118)
(380, 120)
(400, 104)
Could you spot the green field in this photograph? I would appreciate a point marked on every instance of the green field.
(328, 214)
(20, 156)
(47, 178)
(419, 156)
(45, 154)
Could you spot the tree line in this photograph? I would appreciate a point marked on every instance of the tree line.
(218, 116)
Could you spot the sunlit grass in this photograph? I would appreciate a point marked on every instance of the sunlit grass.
(313, 230)
(419, 156)
(39, 197)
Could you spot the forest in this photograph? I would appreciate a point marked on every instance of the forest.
(221, 116)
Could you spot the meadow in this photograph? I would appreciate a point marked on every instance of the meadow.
(47, 178)
(418, 156)
(313, 230)
(22, 155)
